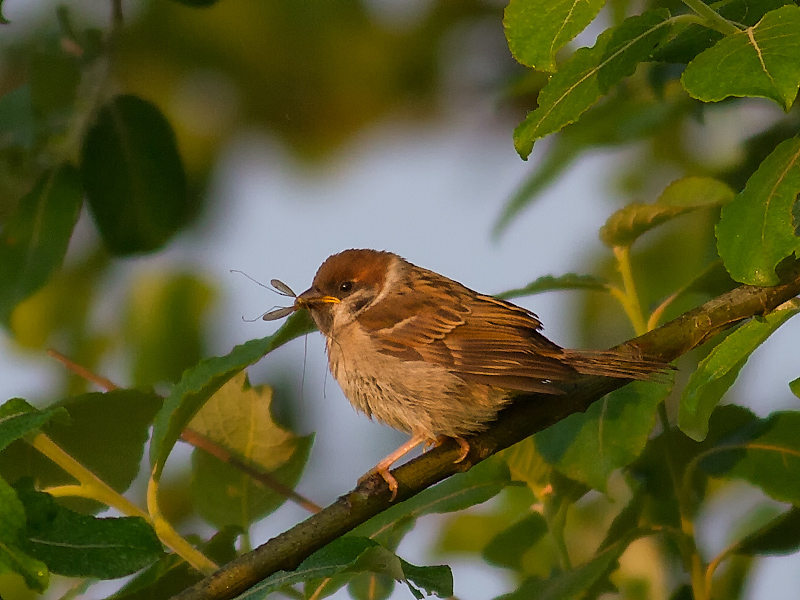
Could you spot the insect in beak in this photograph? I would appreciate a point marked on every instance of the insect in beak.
(304, 300)
(281, 311)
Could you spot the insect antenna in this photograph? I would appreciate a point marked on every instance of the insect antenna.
(280, 288)
(275, 285)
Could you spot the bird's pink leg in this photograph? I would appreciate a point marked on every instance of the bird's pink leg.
(383, 467)
(462, 443)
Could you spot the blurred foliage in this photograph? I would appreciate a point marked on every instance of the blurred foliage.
(131, 113)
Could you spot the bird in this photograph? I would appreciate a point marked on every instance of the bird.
(428, 356)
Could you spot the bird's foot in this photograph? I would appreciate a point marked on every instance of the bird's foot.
(387, 477)
(462, 443)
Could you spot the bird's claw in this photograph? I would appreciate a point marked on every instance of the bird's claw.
(387, 477)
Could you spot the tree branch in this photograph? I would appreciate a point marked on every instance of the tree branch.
(529, 414)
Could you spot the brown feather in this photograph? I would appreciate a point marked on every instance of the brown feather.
(479, 338)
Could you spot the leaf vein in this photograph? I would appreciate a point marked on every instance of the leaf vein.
(790, 163)
(600, 66)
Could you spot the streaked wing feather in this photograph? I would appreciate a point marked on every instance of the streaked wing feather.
(480, 338)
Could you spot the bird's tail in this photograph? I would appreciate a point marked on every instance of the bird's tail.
(615, 363)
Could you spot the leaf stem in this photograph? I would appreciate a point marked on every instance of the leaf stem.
(691, 557)
(90, 485)
(556, 524)
(628, 296)
(712, 18)
(712, 566)
(655, 316)
(171, 538)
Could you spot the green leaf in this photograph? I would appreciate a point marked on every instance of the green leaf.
(627, 521)
(717, 371)
(12, 526)
(590, 73)
(18, 418)
(559, 157)
(82, 546)
(54, 77)
(574, 583)
(625, 226)
(133, 176)
(611, 434)
(462, 490)
(767, 455)
(658, 485)
(547, 283)
(3, 20)
(12, 514)
(334, 558)
(695, 38)
(356, 554)
(537, 29)
(119, 419)
(795, 387)
(18, 126)
(34, 241)
(200, 382)
(680, 197)
(756, 230)
(33, 571)
(778, 537)
(526, 464)
(435, 580)
(238, 418)
(763, 61)
(696, 192)
(508, 547)
(162, 325)
(370, 586)
(619, 120)
(171, 574)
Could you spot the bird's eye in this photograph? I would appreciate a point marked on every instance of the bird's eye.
(346, 286)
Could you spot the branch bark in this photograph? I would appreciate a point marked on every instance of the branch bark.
(529, 414)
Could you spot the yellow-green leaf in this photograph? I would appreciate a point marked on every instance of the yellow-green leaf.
(537, 29)
(763, 60)
(757, 230)
(238, 418)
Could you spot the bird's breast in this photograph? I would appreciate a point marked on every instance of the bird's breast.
(418, 397)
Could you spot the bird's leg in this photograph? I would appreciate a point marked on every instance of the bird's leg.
(382, 467)
(463, 444)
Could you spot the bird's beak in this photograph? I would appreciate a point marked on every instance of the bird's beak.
(311, 297)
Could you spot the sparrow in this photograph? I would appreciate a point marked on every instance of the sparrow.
(430, 357)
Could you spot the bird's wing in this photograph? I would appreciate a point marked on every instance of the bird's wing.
(479, 338)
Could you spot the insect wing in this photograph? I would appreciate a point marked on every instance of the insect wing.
(278, 313)
(282, 288)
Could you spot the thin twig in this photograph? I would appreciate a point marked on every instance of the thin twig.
(712, 18)
(198, 440)
(81, 371)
